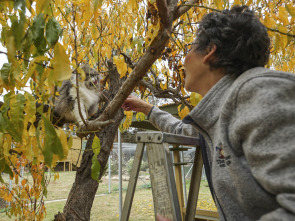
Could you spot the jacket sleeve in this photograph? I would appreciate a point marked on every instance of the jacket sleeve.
(165, 122)
(265, 124)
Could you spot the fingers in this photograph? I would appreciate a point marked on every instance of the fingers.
(130, 103)
(162, 218)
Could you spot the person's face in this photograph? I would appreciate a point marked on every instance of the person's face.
(194, 70)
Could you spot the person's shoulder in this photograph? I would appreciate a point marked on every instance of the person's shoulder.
(260, 73)
(262, 77)
(263, 83)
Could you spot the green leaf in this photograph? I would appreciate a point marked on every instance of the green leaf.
(96, 145)
(27, 43)
(1, 141)
(2, 123)
(44, 186)
(53, 31)
(19, 3)
(4, 167)
(8, 170)
(38, 33)
(38, 28)
(16, 113)
(52, 143)
(18, 29)
(1, 179)
(95, 168)
(5, 72)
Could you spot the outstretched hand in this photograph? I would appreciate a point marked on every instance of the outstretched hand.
(136, 104)
(162, 218)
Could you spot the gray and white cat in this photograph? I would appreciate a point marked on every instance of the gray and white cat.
(66, 104)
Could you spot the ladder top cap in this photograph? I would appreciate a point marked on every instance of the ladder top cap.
(160, 137)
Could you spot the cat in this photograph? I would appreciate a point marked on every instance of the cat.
(66, 105)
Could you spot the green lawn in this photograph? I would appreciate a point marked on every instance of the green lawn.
(106, 206)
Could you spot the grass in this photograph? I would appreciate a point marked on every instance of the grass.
(106, 207)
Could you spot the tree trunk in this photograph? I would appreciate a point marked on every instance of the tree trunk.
(81, 196)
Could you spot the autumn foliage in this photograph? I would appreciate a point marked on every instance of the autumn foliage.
(46, 40)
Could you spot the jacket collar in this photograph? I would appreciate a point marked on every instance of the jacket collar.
(206, 113)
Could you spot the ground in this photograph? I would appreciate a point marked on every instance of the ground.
(106, 205)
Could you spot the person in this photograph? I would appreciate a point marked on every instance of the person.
(246, 117)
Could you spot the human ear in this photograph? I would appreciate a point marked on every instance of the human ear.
(210, 55)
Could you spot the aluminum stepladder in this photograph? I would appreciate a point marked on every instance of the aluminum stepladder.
(163, 184)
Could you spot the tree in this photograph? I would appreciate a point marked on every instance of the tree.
(136, 45)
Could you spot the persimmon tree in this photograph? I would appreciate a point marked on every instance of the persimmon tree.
(137, 46)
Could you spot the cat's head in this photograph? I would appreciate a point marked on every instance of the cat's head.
(92, 78)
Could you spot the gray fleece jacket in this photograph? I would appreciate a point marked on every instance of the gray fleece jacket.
(249, 126)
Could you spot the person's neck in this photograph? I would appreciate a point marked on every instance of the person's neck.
(212, 78)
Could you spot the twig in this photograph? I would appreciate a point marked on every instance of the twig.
(216, 10)
(77, 64)
(25, 59)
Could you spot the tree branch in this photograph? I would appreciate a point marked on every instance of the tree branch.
(184, 8)
(163, 13)
(189, 5)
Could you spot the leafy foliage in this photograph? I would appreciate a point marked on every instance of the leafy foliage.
(46, 40)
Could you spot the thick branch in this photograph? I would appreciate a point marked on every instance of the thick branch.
(163, 13)
(150, 56)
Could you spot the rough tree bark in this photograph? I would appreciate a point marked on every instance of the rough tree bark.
(82, 194)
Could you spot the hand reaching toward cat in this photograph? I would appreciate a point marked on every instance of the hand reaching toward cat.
(136, 104)
(162, 218)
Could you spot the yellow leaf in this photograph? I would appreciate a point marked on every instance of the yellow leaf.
(163, 86)
(41, 5)
(140, 116)
(283, 15)
(218, 4)
(56, 176)
(195, 98)
(121, 65)
(128, 119)
(291, 9)
(283, 38)
(63, 139)
(183, 112)
(11, 50)
(61, 64)
(24, 181)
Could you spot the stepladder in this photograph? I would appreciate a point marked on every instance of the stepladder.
(167, 194)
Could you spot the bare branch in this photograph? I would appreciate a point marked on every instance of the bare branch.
(189, 5)
(25, 59)
(184, 8)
